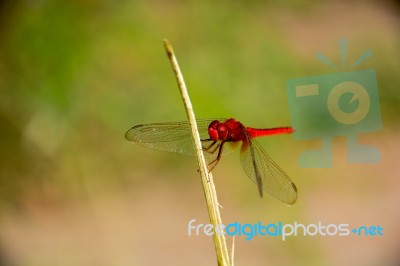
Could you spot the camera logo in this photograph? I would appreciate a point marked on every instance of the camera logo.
(337, 104)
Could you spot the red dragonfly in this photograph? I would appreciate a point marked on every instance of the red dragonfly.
(219, 136)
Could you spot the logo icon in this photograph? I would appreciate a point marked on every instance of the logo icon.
(337, 104)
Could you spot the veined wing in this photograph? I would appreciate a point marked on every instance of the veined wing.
(172, 136)
(266, 173)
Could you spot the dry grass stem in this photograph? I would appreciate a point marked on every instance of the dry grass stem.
(206, 177)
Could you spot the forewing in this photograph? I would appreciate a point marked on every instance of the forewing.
(172, 136)
(266, 173)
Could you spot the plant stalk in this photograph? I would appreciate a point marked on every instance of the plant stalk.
(206, 177)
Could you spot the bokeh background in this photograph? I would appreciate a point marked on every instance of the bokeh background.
(75, 75)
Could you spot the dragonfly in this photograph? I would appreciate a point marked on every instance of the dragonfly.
(219, 137)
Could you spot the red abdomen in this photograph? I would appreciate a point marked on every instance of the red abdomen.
(255, 132)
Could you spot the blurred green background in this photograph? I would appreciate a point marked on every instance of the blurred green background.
(75, 75)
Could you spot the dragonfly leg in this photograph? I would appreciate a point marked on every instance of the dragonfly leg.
(215, 162)
(215, 149)
(207, 149)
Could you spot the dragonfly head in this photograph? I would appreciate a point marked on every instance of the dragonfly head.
(217, 130)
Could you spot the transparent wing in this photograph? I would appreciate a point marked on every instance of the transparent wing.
(174, 137)
(266, 173)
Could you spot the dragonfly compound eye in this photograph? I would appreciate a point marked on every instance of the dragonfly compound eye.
(212, 130)
(213, 133)
(222, 131)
